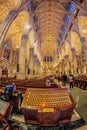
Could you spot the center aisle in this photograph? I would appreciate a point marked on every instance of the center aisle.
(82, 101)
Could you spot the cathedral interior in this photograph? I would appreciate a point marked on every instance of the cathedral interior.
(40, 41)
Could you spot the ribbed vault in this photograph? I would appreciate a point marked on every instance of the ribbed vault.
(51, 21)
(6, 6)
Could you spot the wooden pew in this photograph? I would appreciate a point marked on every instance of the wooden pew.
(22, 85)
(81, 82)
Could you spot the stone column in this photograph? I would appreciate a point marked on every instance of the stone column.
(79, 64)
(62, 66)
(27, 67)
(58, 69)
(39, 68)
(74, 60)
(70, 67)
(84, 53)
(31, 62)
(4, 26)
(22, 57)
(67, 64)
(35, 64)
(10, 60)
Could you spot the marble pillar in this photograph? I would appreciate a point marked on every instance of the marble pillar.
(10, 60)
(35, 65)
(74, 61)
(67, 64)
(84, 54)
(22, 57)
(31, 62)
(38, 67)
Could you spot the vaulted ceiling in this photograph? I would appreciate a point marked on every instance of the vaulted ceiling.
(48, 19)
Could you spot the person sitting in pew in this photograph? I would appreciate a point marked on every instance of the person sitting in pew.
(9, 90)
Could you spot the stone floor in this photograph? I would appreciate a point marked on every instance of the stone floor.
(84, 127)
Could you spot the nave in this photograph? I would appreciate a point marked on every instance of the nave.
(43, 40)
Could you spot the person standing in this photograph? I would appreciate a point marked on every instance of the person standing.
(71, 79)
(64, 79)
